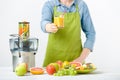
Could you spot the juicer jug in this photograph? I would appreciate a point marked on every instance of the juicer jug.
(23, 51)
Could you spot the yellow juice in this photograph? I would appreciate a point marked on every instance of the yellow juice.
(59, 22)
(55, 20)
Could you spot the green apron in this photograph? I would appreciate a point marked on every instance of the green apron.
(65, 44)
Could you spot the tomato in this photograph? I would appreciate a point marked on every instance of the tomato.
(36, 70)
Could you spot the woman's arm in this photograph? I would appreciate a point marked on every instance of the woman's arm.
(85, 52)
(47, 13)
(88, 29)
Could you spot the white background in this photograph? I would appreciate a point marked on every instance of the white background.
(105, 15)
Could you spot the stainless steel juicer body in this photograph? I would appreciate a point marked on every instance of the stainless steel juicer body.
(23, 51)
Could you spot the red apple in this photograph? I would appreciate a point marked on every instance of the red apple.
(55, 65)
(59, 63)
(50, 69)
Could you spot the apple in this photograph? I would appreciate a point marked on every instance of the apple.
(20, 70)
(55, 65)
(50, 69)
(59, 63)
(23, 64)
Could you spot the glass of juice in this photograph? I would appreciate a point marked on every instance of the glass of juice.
(59, 21)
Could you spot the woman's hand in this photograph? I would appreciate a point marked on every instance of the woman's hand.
(51, 27)
(83, 55)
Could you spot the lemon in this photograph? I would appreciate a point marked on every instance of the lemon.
(65, 65)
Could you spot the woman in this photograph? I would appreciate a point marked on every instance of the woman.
(65, 44)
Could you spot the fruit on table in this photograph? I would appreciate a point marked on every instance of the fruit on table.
(65, 64)
(84, 66)
(21, 69)
(24, 64)
(69, 68)
(36, 70)
(50, 69)
(93, 66)
(59, 63)
(55, 65)
(63, 72)
(90, 65)
(75, 64)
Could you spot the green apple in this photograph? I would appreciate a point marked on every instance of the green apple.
(55, 65)
(20, 70)
(23, 64)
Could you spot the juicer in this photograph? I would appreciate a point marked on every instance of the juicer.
(23, 51)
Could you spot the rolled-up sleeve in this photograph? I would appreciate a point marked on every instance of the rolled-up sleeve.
(47, 12)
(88, 28)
